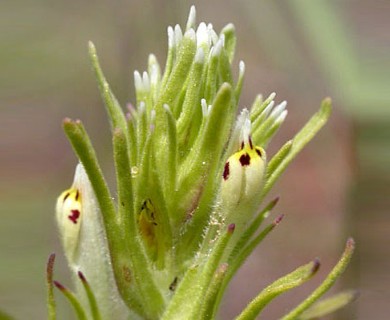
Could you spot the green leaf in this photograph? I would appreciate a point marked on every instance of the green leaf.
(133, 148)
(191, 101)
(4, 316)
(124, 182)
(326, 284)
(169, 91)
(114, 110)
(253, 227)
(286, 283)
(170, 174)
(257, 114)
(240, 81)
(329, 305)
(51, 304)
(278, 158)
(154, 72)
(306, 134)
(240, 254)
(229, 31)
(198, 172)
(211, 84)
(148, 290)
(189, 296)
(79, 310)
(211, 300)
(141, 128)
(85, 152)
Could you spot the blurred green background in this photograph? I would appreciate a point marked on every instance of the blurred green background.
(302, 49)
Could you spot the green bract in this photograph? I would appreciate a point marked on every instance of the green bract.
(191, 178)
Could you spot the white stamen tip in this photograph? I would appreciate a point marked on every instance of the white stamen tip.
(218, 48)
(146, 81)
(282, 116)
(191, 18)
(222, 38)
(171, 37)
(278, 109)
(212, 34)
(272, 96)
(178, 34)
(152, 116)
(241, 67)
(204, 107)
(202, 35)
(141, 107)
(137, 80)
(268, 108)
(246, 126)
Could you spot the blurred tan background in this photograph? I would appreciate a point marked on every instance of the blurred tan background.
(304, 50)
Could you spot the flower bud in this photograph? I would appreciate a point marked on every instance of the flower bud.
(84, 240)
(243, 176)
(242, 179)
(69, 215)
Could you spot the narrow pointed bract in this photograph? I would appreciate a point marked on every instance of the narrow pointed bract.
(191, 177)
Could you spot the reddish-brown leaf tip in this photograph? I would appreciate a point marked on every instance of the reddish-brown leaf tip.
(81, 276)
(350, 244)
(316, 265)
(231, 228)
(50, 263)
(59, 286)
(274, 202)
(278, 220)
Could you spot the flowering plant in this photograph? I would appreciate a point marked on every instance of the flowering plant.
(191, 181)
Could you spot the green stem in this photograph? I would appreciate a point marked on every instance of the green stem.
(91, 297)
(51, 304)
(80, 312)
(326, 284)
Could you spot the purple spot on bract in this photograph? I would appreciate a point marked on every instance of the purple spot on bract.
(75, 215)
(226, 171)
(245, 160)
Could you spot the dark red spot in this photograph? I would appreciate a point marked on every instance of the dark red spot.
(226, 171)
(126, 273)
(258, 152)
(74, 216)
(77, 195)
(245, 160)
(66, 196)
(173, 285)
(250, 142)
